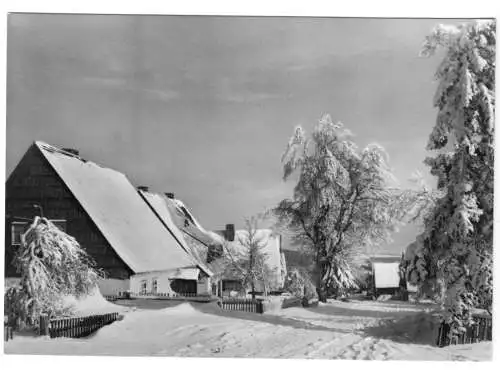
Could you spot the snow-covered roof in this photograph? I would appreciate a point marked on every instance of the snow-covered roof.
(271, 242)
(271, 250)
(117, 209)
(159, 204)
(185, 220)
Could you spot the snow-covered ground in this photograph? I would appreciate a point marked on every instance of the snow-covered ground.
(337, 330)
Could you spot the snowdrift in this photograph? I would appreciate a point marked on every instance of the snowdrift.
(181, 309)
(92, 304)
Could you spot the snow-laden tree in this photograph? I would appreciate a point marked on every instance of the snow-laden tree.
(341, 202)
(253, 262)
(245, 259)
(413, 204)
(453, 257)
(52, 265)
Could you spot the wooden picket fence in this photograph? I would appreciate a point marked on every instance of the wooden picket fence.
(75, 327)
(165, 295)
(113, 298)
(247, 305)
(190, 297)
(480, 331)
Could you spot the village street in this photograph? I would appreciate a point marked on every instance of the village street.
(279, 187)
(337, 330)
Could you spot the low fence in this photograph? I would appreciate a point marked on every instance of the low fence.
(173, 296)
(74, 327)
(166, 295)
(480, 331)
(247, 305)
(8, 332)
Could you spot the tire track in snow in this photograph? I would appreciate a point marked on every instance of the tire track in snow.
(335, 345)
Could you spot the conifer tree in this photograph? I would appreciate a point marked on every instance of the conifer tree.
(454, 255)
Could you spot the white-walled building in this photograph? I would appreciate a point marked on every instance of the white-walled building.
(107, 215)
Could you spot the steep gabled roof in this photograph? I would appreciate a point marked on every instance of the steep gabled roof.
(158, 203)
(117, 209)
(185, 220)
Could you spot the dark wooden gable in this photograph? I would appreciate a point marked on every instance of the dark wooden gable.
(34, 181)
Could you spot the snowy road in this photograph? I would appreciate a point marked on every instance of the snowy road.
(357, 330)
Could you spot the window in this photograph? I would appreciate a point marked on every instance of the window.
(59, 223)
(154, 286)
(18, 229)
(144, 287)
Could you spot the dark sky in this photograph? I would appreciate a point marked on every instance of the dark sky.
(204, 106)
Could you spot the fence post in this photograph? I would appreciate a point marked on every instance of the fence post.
(44, 324)
(440, 332)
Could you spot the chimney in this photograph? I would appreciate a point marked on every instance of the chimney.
(143, 188)
(72, 151)
(229, 232)
(170, 195)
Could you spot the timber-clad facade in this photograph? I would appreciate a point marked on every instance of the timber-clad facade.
(35, 182)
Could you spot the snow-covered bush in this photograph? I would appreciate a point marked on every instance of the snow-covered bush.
(299, 284)
(52, 265)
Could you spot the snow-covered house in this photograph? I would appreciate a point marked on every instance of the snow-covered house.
(159, 205)
(273, 254)
(108, 217)
(198, 242)
(206, 245)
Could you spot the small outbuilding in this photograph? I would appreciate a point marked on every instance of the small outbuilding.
(386, 275)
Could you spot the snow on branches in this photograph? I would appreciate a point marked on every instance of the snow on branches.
(52, 265)
(457, 244)
(341, 202)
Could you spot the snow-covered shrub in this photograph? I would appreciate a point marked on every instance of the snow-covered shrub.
(299, 284)
(52, 265)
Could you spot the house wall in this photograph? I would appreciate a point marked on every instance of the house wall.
(34, 181)
(203, 286)
(386, 275)
(112, 286)
(162, 277)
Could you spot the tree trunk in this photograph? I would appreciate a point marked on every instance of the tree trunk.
(321, 288)
(253, 290)
(320, 283)
(321, 291)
